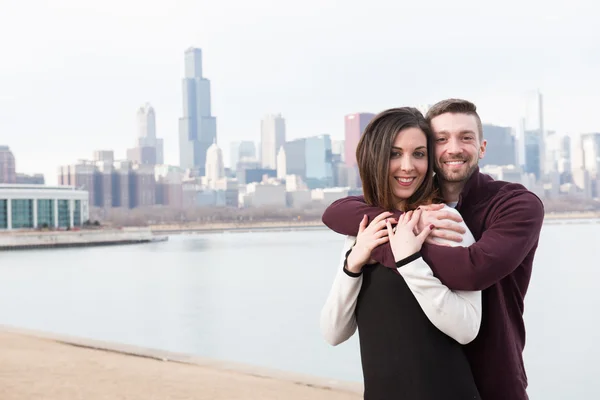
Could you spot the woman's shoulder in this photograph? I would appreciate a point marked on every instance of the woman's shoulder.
(468, 238)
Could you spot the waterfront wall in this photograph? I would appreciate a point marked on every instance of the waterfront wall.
(36, 239)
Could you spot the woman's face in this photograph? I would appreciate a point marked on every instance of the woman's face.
(408, 163)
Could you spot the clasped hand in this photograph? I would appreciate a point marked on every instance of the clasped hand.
(412, 230)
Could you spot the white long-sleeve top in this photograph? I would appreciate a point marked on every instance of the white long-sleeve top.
(456, 313)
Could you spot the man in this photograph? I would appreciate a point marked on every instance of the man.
(505, 219)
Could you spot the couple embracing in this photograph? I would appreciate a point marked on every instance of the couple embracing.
(436, 263)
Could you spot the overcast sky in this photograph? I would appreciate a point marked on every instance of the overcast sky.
(74, 72)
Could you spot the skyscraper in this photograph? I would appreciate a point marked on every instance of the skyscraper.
(149, 149)
(590, 143)
(8, 172)
(501, 146)
(147, 132)
(272, 138)
(214, 165)
(319, 166)
(337, 147)
(533, 159)
(281, 164)
(355, 125)
(197, 127)
(534, 125)
(146, 122)
(241, 151)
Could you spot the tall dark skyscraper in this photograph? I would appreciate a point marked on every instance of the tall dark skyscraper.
(501, 146)
(197, 127)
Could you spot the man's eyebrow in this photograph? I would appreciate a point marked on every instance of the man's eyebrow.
(463, 132)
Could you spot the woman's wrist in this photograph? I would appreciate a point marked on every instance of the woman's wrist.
(351, 266)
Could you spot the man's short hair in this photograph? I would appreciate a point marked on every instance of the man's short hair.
(455, 106)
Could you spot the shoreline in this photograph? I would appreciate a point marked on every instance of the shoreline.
(575, 217)
(143, 357)
(107, 236)
(25, 239)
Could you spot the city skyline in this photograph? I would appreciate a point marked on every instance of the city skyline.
(313, 78)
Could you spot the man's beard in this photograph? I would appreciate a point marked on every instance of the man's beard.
(458, 176)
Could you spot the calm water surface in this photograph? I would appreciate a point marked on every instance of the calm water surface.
(255, 298)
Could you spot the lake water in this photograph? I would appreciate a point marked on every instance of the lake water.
(255, 298)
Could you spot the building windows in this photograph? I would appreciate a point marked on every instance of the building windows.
(42, 207)
(64, 214)
(3, 215)
(77, 213)
(45, 213)
(22, 213)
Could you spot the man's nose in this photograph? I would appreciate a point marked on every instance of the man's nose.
(453, 146)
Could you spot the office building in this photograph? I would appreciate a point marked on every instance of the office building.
(272, 137)
(40, 206)
(197, 126)
(354, 127)
(8, 172)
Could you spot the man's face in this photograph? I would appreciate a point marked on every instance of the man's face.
(457, 146)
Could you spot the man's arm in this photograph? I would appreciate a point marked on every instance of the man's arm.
(344, 216)
(501, 249)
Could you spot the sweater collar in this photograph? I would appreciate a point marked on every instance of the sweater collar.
(469, 189)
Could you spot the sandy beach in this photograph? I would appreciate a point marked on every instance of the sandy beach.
(34, 367)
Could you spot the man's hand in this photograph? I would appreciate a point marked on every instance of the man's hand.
(368, 238)
(446, 224)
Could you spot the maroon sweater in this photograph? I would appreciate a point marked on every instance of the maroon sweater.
(505, 219)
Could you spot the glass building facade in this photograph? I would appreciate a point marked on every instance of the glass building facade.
(45, 213)
(77, 213)
(31, 206)
(3, 214)
(22, 213)
(319, 167)
(64, 214)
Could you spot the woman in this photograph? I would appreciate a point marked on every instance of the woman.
(411, 325)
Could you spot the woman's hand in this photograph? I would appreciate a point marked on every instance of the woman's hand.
(368, 238)
(402, 239)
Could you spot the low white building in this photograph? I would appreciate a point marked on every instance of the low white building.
(508, 173)
(329, 195)
(37, 206)
(264, 195)
(299, 198)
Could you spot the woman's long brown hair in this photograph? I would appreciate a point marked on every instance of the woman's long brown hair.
(373, 158)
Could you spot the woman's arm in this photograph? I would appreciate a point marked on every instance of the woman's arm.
(456, 313)
(338, 322)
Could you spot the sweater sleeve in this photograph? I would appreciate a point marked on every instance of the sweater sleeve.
(338, 322)
(456, 313)
(513, 232)
(344, 216)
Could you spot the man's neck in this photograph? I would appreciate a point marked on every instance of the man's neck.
(451, 190)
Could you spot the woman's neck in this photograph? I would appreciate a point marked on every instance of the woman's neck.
(401, 205)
